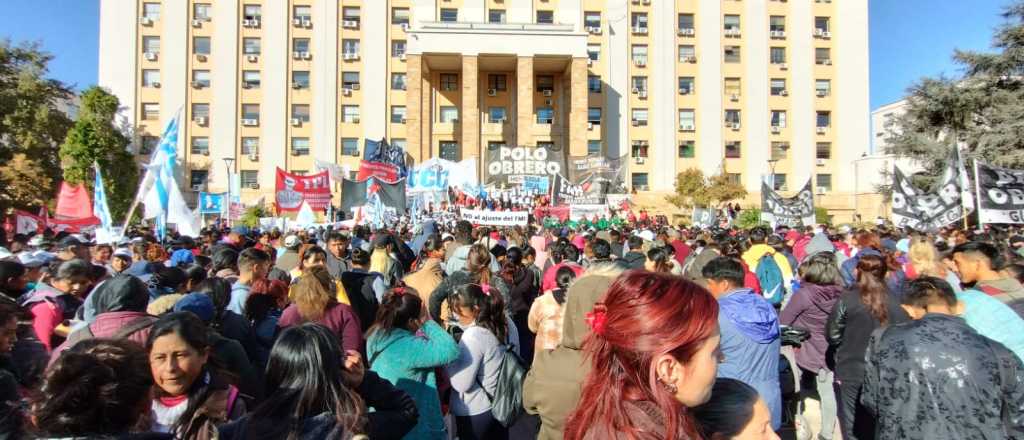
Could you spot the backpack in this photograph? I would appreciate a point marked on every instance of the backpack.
(507, 400)
(770, 277)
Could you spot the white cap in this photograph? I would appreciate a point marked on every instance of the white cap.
(291, 241)
(123, 252)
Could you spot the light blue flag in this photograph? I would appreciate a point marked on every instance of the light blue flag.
(100, 209)
(162, 196)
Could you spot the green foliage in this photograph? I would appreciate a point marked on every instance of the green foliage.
(95, 139)
(983, 109)
(693, 189)
(251, 216)
(31, 126)
(748, 218)
(821, 215)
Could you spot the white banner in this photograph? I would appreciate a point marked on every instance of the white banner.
(496, 218)
(579, 212)
(615, 201)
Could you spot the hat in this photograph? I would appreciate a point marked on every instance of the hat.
(181, 257)
(889, 245)
(793, 235)
(197, 303)
(70, 241)
(31, 259)
(291, 241)
(646, 235)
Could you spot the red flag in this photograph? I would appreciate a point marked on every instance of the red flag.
(73, 202)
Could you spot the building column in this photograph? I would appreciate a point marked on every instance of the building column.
(524, 101)
(577, 126)
(414, 109)
(469, 113)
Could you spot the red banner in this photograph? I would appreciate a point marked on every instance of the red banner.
(292, 189)
(73, 202)
(25, 223)
(380, 170)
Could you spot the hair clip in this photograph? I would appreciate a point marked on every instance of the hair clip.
(486, 288)
(597, 319)
(398, 290)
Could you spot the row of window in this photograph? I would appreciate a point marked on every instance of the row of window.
(730, 54)
(251, 79)
(252, 46)
(823, 182)
(302, 13)
(250, 146)
(688, 149)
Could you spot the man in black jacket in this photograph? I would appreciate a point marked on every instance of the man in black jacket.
(635, 258)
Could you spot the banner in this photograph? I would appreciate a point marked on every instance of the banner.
(356, 193)
(537, 184)
(618, 201)
(292, 189)
(211, 203)
(793, 211)
(704, 217)
(73, 202)
(382, 153)
(559, 212)
(926, 212)
(496, 218)
(505, 162)
(430, 176)
(1002, 194)
(379, 170)
(586, 212)
(598, 174)
(564, 192)
(26, 223)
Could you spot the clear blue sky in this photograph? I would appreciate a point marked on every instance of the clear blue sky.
(909, 38)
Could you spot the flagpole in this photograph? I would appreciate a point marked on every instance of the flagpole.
(977, 197)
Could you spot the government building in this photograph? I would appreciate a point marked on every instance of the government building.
(773, 90)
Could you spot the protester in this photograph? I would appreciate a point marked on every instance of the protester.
(659, 260)
(289, 258)
(263, 310)
(477, 271)
(522, 293)
(925, 261)
(979, 263)
(547, 312)
(253, 264)
(564, 255)
(55, 302)
(429, 271)
(313, 301)
(735, 412)
(11, 415)
(635, 258)
(120, 313)
(759, 248)
(382, 262)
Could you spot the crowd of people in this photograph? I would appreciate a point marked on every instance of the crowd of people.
(641, 330)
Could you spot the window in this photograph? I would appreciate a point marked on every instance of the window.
(449, 114)
(496, 115)
(350, 13)
(201, 45)
(823, 150)
(639, 52)
(824, 119)
(777, 86)
(350, 114)
(449, 15)
(249, 178)
(687, 149)
(639, 115)
(251, 46)
(594, 84)
(299, 172)
(594, 52)
(822, 55)
(777, 23)
(201, 78)
(736, 178)
(687, 85)
(639, 22)
(593, 147)
(200, 145)
(640, 149)
(778, 55)
(200, 111)
(251, 79)
(687, 119)
(732, 54)
(197, 178)
(350, 47)
(545, 115)
(823, 181)
(300, 45)
(823, 87)
(496, 16)
(594, 115)
(550, 146)
(301, 78)
(779, 182)
(592, 19)
(495, 145)
(732, 87)
(686, 53)
(449, 82)
(201, 11)
(252, 12)
(731, 23)
(302, 12)
(350, 80)
(732, 117)
(639, 181)
(546, 17)
(150, 77)
(497, 82)
(150, 111)
(251, 111)
(686, 22)
(398, 81)
(778, 118)
(350, 146)
(732, 149)
(300, 146)
(449, 150)
(398, 114)
(147, 144)
(300, 112)
(639, 83)
(821, 24)
(399, 15)
(151, 44)
(151, 11)
(398, 48)
(780, 150)
(545, 83)
(250, 145)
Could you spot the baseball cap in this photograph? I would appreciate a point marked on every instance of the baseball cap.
(291, 241)
(123, 253)
(32, 259)
(70, 241)
(199, 304)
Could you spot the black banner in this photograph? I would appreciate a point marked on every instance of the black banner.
(1002, 194)
(792, 211)
(355, 193)
(564, 192)
(598, 174)
(927, 211)
(508, 166)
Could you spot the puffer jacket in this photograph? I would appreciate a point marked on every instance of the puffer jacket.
(809, 309)
(938, 378)
(552, 387)
(750, 344)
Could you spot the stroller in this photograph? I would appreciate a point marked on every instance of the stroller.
(791, 338)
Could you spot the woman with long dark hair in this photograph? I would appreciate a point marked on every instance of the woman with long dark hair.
(548, 311)
(522, 293)
(477, 271)
(866, 306)
(658, 260)
(735, 412)
(653, 355)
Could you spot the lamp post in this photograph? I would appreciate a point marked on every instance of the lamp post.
(771, 164)
(229, 165)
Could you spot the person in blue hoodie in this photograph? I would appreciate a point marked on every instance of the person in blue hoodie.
(749, 327)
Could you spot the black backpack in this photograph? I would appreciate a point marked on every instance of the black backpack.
(507, 399)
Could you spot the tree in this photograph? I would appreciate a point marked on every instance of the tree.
(251, 216)
(693, 189)
(689, 184)
(983, 109)
(31, 126)
(95, 139)
(748, 218)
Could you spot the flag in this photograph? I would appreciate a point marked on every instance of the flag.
(359, 193)
(160, 191)
(104, 234)
(966, 196)
(73, 202)
(306, 216)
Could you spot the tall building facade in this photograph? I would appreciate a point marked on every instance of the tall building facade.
(751, 88)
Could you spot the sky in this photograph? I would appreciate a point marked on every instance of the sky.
(910, 39)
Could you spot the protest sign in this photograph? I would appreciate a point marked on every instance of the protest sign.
(1002, 194)
(586, 212)
(704, 217)
(792, 211)
(292, 189)
(211, 203)
(496, 218)
(597, 174)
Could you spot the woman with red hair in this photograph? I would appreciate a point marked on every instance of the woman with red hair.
(654, 354)
(267, 298)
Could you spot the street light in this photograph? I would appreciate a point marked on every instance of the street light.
(771, 163)
(229, 164)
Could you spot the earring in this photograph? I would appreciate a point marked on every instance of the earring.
(669, 386)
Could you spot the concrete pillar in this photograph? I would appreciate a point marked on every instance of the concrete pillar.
(417, 144)
(524, 101)
(469, 113)
(577, 124)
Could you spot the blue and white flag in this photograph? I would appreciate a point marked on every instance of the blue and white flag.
(104, 233)
(211, 203)
(160, 191)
